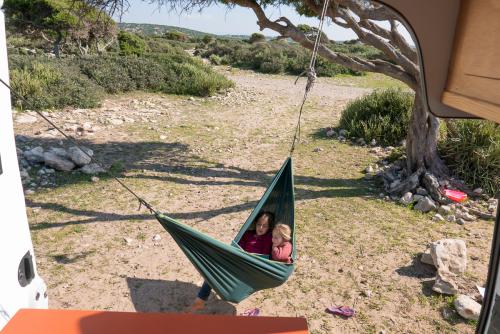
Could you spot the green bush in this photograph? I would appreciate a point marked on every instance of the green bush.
(383, 115)
(471, 148)
(131, 44)
(48, 84)
(174, 73)
(215, 59)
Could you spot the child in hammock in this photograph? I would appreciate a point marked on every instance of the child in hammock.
(257, 239)
(282, 247)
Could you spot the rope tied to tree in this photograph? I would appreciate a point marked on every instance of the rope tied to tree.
(310, 73)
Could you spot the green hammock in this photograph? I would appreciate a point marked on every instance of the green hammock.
(232, 272)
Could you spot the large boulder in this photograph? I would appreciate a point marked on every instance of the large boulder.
(467, 307)
(78, 157)
(34, 155)
(449, 255)
(445, 283)
(57, 162)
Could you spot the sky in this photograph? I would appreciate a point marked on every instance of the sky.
(221, 21)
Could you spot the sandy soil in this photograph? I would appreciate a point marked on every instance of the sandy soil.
(206, 162)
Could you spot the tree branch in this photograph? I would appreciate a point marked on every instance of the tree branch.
(370, 38)
(354, 63)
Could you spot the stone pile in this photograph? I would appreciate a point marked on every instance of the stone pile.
(449, 257)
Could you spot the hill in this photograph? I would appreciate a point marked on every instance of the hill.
(158, 29)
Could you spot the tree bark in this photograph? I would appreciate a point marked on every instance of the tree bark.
(421, 140)
(57, 44)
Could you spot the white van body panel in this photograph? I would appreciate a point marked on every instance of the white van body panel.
(15, 238)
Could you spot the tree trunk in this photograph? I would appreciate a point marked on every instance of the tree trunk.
(421, 141)
(57, 44)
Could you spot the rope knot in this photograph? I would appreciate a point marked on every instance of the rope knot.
(311, 78)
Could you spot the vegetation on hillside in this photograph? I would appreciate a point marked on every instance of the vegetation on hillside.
(277, 56)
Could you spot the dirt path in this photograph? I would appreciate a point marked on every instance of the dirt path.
(206, 162)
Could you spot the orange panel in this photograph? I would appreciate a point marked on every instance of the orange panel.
(30, 321)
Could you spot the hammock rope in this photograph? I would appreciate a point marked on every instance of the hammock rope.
(310, 73)
(142, 202)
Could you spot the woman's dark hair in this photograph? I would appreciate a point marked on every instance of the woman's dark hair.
(270, 219)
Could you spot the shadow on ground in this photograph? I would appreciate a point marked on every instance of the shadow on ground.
(173, 163)
(171, 296)
(417, 269)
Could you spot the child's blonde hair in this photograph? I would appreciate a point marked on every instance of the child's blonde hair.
(284, 231)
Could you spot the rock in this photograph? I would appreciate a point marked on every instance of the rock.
(444, 210)
(156, 237)
(438, 217)
(467, 307)
(163, 137)
(115, 121)
(451, 218)
(59, 151)
(425, 204)
(369, 169)
(373, 142)
(331, 133)
(341, 138)
(25, 177)
(29, 192)
(427, 257)
(129, 241)
(361, 141)
(78, 157)
(94, 179)
(449, 255)
(407, 185)
(367, 293)
(465, 215)
(343, 133)
(34, 155)
(87, 126)
(478, 191)
(460, 221)
(444, 283)
(422, 191)
(53, 160)
(92, 169)
(417, 198)
(406, 199)
(26, 118)
(431, 183)
(318, 149)
(492, 208)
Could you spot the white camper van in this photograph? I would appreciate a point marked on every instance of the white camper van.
(20, 285)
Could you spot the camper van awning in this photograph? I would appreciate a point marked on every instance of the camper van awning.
(459, 80)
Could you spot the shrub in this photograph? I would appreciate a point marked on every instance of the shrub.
(168, 73)
(382, 115)
(48, 84)
(215, 59)
(131, 44)
(256, 38)
(471, 148)
(175, 35)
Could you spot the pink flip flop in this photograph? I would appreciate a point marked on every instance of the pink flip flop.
(344, 311)
(254, 312)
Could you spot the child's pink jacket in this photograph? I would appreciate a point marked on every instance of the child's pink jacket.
(282, 252)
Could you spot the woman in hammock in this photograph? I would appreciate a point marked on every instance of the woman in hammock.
(257, 239)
